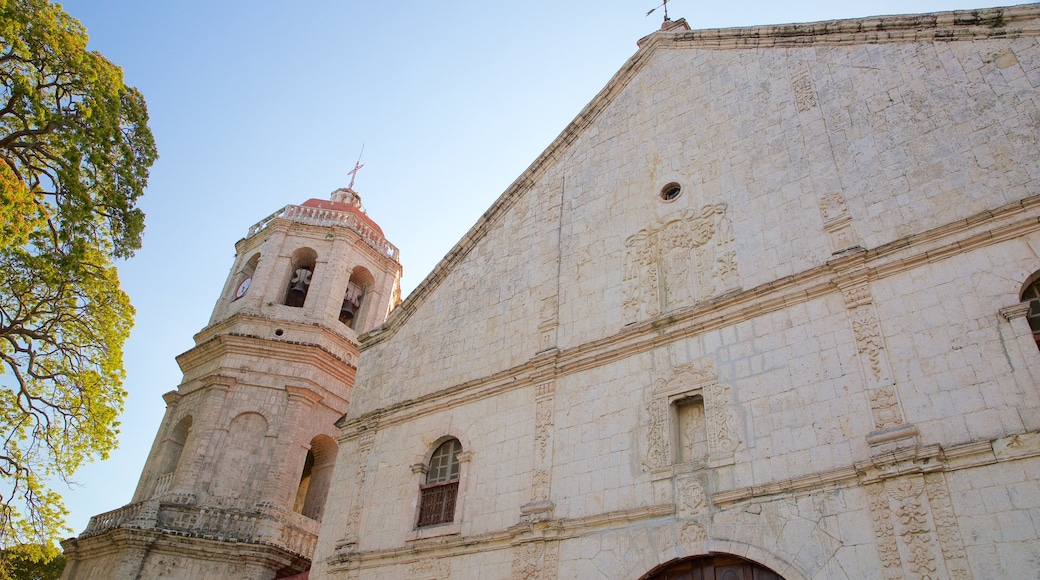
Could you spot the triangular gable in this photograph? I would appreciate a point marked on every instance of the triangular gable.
(956, 25)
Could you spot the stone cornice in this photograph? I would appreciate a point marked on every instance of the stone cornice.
(1000, 22)
(311, 355)
(986, 228)
(942, 26)
(498, 540)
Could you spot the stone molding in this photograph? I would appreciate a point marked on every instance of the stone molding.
(981, 230)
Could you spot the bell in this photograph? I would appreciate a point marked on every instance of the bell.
(300, 286)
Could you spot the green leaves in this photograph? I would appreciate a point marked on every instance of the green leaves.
(75, 150)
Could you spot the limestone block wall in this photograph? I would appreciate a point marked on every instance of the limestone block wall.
(804, 359)
(474, 323)
(868, 142)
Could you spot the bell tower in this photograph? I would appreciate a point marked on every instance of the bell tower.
(236, 480)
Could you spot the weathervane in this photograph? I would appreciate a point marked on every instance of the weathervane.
(357, 167)
(665, 5)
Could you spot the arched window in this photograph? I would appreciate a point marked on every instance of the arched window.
(303, 261)
(317, 474)
(360, 282)
(437, 504)
(1032, 295)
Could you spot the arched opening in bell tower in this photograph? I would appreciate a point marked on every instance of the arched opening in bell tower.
(712, 567)
(172, 448)
(316, 477)
(301, 274)
(358, 287)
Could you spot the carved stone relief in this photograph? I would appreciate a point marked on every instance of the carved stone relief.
(885, 407)
(884, 532)
(946, 526)
(914, 529)
(679, 262)
(691, 500)
(364, 445)
(804, 94)
(528, 561)
(693, 532)
(658, 453)
(539, 508)
(694, 389)
(430, 569)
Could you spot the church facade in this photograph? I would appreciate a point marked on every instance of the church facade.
(765, 309)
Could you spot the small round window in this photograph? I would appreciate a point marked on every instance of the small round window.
(670, 192)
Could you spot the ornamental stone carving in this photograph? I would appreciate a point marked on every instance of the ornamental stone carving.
(693, 532)
(914, 529)
(678, 263)
(430, 569)
(804, 94)
(690, 497)
(697, 382)
(946, 526)
(527, 561)
(884, 532)
(658, 453)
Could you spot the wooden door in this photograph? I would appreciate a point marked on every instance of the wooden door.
(721, 567)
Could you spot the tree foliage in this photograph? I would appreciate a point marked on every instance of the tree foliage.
(75, 150)
(31, 562)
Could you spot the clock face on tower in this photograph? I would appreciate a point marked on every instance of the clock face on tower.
(242, 287)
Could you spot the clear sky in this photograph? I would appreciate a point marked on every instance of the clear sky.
(259, 104)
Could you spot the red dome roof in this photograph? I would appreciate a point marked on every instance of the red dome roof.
(339, 206)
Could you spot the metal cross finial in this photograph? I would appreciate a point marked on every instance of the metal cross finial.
(357, 167)
(664, 3)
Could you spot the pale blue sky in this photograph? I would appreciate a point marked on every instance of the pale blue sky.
(259, 104)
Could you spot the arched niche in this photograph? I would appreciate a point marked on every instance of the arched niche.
(242, 463)
(359, 288)
(301, 273)
(316, 477)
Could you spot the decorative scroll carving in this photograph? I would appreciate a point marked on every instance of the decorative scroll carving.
(685, 381)
(722, 439)
(915, 532)
(804, 94)
(551, 561)
(543, 428)
(657, 453)
(884, 532)
(946, 526)
(685, 376)
(430, 569)
(868, 337)
(543, 422)
(678, 262)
